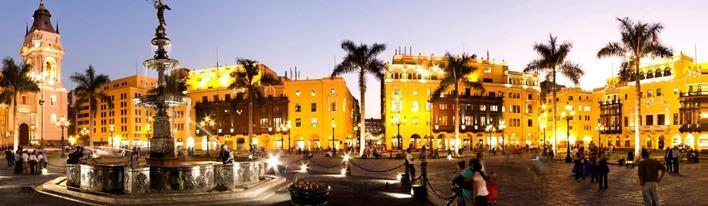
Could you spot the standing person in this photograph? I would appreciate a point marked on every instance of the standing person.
(9, 157)
(593, 169)
(409, 165)
(33, 164)
(602, 170)
(648, 172)
(480, 157)
(675, 159)
(41, 164)
(577, 167)
(460, 184)
(492, 188)
(25, 162)
(467, 173)
(18, 162)
(668, 159)
(479, 185)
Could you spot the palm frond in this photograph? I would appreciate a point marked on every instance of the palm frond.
(571, 71)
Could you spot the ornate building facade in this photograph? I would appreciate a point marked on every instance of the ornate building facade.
(37, 112)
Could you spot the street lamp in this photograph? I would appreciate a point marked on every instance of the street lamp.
(599, 128)
(490, 128)
(542, 123)
(112, 129)
(62, 123)
(288, 127)
(502, 125)
(398, 121)
(84, 132)
(207, 122)
(567, 116)
(333, 126)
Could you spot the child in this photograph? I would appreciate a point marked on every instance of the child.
(492, 188)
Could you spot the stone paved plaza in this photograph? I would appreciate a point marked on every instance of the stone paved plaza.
(520, 182)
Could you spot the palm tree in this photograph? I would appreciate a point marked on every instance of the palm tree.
(89, 90)
(361, 59)
(552, 60)
(251, 81)
(455, 72)
(15, 80)
(639, 40)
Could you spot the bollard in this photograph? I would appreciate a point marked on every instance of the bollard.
(420, 190)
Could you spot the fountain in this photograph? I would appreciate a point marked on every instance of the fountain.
(163, 178)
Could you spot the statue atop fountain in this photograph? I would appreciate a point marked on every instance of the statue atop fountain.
(162, 143)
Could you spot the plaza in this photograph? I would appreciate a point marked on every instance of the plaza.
(261, 129)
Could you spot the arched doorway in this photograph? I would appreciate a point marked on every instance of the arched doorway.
(24, 134)
(690, 141)
(626, 141)
(617, 141)
(414, 140)
(649, 142)
(661, 142)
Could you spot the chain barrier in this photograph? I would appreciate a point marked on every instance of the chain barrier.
(325, 167)
(438, 194)
(370, 170)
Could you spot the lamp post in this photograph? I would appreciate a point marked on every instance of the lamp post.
(502, 125)
(334, 152)
(110, 139)
(599, 128)
(207, 122)
(62, 123)
(288, 127)
(568, 116)
(437, 127)
(489, 129)
(542, 123)
(398, 121)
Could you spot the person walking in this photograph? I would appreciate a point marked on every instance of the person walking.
(675, 159)
(668, 159)
(25, 162)
(18, 163)
(578, 167)
(602, 170)
(410, 167)
(467, 173)
(460, 184)
(41, 164)
(33, 164)
(648, 172)
(593, 168)
(9, 157)
(479, 185)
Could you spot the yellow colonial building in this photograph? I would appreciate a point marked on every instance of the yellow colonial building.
(576, 118)
(294, 114)
(505, 113)
(121, 123)
(674, 105)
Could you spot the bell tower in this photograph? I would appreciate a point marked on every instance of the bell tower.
(43, 50)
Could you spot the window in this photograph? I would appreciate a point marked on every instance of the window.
(297, 92)
(313, 92)
(298, 122)
(205, 99)
(530, 96)
(53, 100)
(396, 92)
(488, 80)
(660, 119)
(658, 92)
(649, 93)
(298, 108)
(428, 105)
(396, 106)
(414, 106)
(443, 107)
(442, 120)
(313, 107)
(570, 98)
(626, 121)
(650, 120)
(313, 122)
(676, 120)
(24, 99)
(333, 106)
(530, 123)
(332, 91)
(487, 70)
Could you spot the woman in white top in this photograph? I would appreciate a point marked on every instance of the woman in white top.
(479, 185)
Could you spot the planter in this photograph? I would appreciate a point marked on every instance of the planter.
(302, 197)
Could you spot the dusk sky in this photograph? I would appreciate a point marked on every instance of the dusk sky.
(113, 35)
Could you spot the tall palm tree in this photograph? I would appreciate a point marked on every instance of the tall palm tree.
(552, 60)
(639, 40)
(361, 59)
(455, 72)
(88, 89)
(250, 81)
(14, 81)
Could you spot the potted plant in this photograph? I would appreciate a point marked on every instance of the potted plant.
(309, 193)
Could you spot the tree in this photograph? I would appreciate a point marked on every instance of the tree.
(552, 60)
(15, 80)
(250, 81)
(88, 89)
(361, 59)
(456, 69)
(638, 40)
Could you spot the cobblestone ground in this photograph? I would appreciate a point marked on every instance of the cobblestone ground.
(520, 182)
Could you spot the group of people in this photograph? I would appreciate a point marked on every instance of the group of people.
(590, 166)
(473, 185)
(26, 162)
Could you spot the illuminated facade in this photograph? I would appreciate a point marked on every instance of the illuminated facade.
(295, 113)
(673, 108)
(37, 112)
(121, 123)
(576, 119)
(509, 103)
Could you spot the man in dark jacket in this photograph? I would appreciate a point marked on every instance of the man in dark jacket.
(602, 170)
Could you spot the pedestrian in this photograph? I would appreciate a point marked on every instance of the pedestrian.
(460, 184)
(668, 159)
(577, 167)
(9, 158)
(593, 169)
(675, 159)
(648, 172)
(33, 164)
(409, 165)
(18, 163)
(41, 164)
(467, 173)
(479, 185)
(25, 162)
(492, 188)
(602, 170)
(586, 166)
(480, 157)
